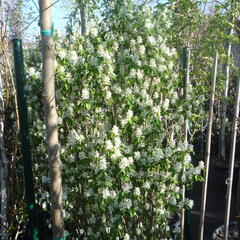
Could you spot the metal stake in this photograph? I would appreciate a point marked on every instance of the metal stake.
(24, 135)
(186, 67)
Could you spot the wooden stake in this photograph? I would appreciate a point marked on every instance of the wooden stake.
(208, 148)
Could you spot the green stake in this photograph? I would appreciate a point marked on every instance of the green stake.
(185, 214)
(24, 136)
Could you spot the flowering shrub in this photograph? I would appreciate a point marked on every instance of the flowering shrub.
(121, 115)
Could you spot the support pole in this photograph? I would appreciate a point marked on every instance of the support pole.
(231, 162)
(208, 148)
(24, 135)
(186, 68)
(51, 118)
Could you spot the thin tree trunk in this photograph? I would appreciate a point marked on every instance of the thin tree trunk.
(224, 104)
(3, 158)
(3, 168)
(48, 59)
(83, 18)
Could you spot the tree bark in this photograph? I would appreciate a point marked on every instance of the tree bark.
(83, 18)
(3, 168)
(48, 59)
(224, 104)
(3, 158)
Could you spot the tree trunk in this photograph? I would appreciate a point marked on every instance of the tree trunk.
(48, 59)
(3, 168)
(3, 158)
(224, 104)
(83, 18)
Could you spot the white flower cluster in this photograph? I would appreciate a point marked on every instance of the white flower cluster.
(125, 162)
(127, 148)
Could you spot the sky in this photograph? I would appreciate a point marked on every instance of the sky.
(60, 12)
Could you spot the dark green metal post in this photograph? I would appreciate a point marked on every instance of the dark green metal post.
(186, 69)
(24, 135)
(187, 228)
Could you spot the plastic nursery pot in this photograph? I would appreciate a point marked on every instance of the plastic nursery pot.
(233, 233)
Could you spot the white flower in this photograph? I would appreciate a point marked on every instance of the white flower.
(128, 92)
(173, 201)
(109, 145)
(89, 192)
(148, 24)
(201, 165)
(106, 80)
(141, 49)
(93, 32)
(125, 204)
(103, 163)
(166, 104)
(44, 179)
(137, 155)
(113, 194)
(85, 93)
(132, 73)
(127, 187)
(117, 154)
(189, 203)
(108, 95)
(151, 40)
(140, 74)
(44, 205)
(103, 53)
(187, 159)
(163, 188)
(115, 45)
(129, 114)
(147, 185)
(132, 42)
(152, 63)
(115, 130)
(62, 54)
(126, 236)
(117, 141)
(32, 71)
(73, 57)
(139, 132)
(106, 193)
(139, 39)
(125, 162)
(137, 191)
(178, 167)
